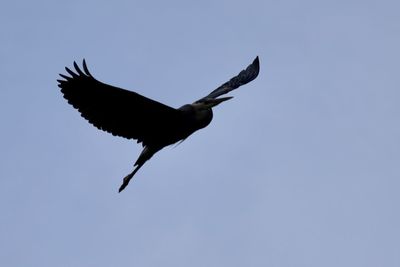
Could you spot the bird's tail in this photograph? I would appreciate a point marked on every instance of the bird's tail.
(146, 154)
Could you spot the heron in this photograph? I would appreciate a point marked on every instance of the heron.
(130, 115)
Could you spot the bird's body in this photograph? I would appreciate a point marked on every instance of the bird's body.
(133, 116)
(191, 120)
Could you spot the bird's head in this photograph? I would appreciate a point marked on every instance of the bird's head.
(209, 103)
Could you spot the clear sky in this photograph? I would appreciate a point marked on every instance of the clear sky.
(300, 168)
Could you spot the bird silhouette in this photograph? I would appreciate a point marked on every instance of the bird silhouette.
(133, 116)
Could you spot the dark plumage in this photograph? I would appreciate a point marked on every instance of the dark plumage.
(130, 115)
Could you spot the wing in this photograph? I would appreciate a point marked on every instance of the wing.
(245, 76)
(115, 110)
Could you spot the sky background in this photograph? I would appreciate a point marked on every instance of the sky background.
(300, 168)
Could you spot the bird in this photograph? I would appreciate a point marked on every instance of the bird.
(130, 115)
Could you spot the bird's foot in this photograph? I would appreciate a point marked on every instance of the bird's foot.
(125, 182)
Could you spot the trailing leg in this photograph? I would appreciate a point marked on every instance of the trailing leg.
(146, 154)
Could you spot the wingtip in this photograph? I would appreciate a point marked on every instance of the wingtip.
(78, 69)
(256, 60)
(256, 64)
(73, 74)
(85, 68)
(65, 77)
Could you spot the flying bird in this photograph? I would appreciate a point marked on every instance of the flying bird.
(133, 116)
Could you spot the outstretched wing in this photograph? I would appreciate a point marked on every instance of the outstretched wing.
(115, 110)
(245, 76)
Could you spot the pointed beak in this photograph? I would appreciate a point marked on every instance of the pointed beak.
(216, 101)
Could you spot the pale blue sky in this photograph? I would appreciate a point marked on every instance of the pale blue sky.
(301, 168)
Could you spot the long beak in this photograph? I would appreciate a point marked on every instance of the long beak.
(216, 101)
